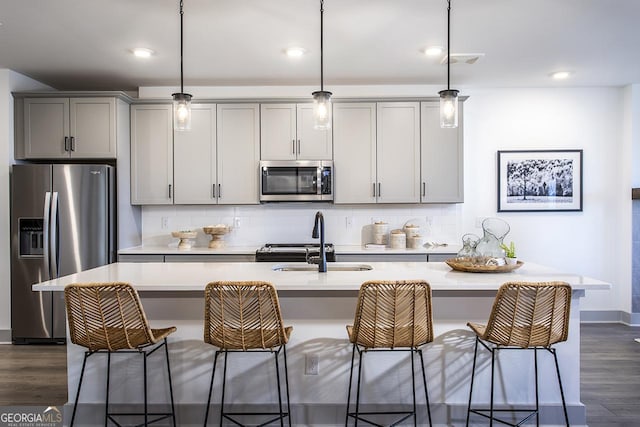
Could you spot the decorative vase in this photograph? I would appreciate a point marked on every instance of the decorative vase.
(469, 243)
(495, 229)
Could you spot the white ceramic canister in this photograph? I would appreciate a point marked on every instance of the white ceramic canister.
(414, 241)
(380, 233)
(398, 239)
(412, 230)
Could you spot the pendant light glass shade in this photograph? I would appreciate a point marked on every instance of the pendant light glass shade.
(181, 100)
(448, 108)
(181, 111)
(448, 97)
(322, 110)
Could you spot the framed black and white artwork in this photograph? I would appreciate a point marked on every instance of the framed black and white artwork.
(540, 181)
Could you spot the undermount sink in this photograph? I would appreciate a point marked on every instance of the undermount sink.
(331, 266)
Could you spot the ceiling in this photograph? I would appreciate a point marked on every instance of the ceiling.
(85, 45)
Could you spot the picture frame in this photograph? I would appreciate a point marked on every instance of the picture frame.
(540, 181)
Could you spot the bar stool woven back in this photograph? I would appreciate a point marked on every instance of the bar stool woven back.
(528, 315)
(108, 318)
(245, 317)
(525, 316)
(390, 316)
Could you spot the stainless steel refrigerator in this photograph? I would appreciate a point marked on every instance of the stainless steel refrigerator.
(62, 222)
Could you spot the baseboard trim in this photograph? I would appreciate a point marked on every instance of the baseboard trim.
(610, 316)
(325, 415)
(5, 336)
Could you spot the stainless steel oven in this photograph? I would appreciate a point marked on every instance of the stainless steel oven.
(296, 181)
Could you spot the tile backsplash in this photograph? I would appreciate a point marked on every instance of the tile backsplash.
(255, 225)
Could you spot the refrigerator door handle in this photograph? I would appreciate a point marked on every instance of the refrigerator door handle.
(54, 235)
(45, 234)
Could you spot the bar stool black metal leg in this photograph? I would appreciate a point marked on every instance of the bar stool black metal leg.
(353, 355)
(213, 372)
(473, 372)
(275, 354)
(286, 381)
(358, 388)
(146, 410)
(75, 404)
(413, 388)
(173, 408)
(426, 390)
(564, 404)
(535, 369)
(224, 382)
(106, 405)
(493, 370)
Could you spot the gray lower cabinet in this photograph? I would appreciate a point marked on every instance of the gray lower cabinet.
(141, 258)
(211, 258)
(440, 257)
(390, 257)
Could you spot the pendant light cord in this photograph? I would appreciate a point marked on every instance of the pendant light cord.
(321, 46)
(181, 49)
(448, 41)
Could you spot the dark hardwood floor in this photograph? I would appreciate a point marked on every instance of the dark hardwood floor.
(610, 372)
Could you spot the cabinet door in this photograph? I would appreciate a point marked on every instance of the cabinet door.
(151, 154)
(238, 153)
(312, 144)
(278, 132)
(354, 131)
(92, 128)
(398, 152)
(194, 155)
(442, 157)
(46, 125)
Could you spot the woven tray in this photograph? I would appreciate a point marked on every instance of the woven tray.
(475, 268)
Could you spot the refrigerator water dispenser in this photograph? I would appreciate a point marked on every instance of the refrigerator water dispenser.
(31, 237)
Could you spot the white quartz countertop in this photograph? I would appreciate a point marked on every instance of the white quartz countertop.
(241, 250)
(195, 276)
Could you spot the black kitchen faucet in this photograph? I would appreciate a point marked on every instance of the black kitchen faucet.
(322, 259)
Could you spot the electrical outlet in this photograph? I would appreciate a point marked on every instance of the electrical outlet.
(164, 222)
(311, 364)
(236, 222)
(348, 221)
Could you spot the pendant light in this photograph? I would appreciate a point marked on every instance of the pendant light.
(321, 98)
(181, 100)
(448, 97)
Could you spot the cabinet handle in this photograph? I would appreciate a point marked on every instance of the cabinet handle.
(219, 191)
(169, 190)
(293, 146)
(213, 191)
(73, 143)
(298, 146)
(374, 189)
(379, 192)
(424, 191)
(66, 143)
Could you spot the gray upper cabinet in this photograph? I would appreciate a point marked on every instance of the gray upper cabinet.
(62, 128)
(287, 133)
(442, 177)
(152, 154)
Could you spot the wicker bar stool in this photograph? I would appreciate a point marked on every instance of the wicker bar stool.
(391, 316)
(525, 316)
(245, 317)
(108, 318)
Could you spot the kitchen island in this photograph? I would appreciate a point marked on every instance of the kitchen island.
(318, 306)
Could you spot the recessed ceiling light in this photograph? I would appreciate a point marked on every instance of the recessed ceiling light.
(561, 75)
(295, 52)
(142, 52)
(434, 51)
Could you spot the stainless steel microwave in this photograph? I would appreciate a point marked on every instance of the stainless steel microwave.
(296, 181)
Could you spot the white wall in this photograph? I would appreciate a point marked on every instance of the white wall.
(595, 242)
(632, 105)
(9, 81)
